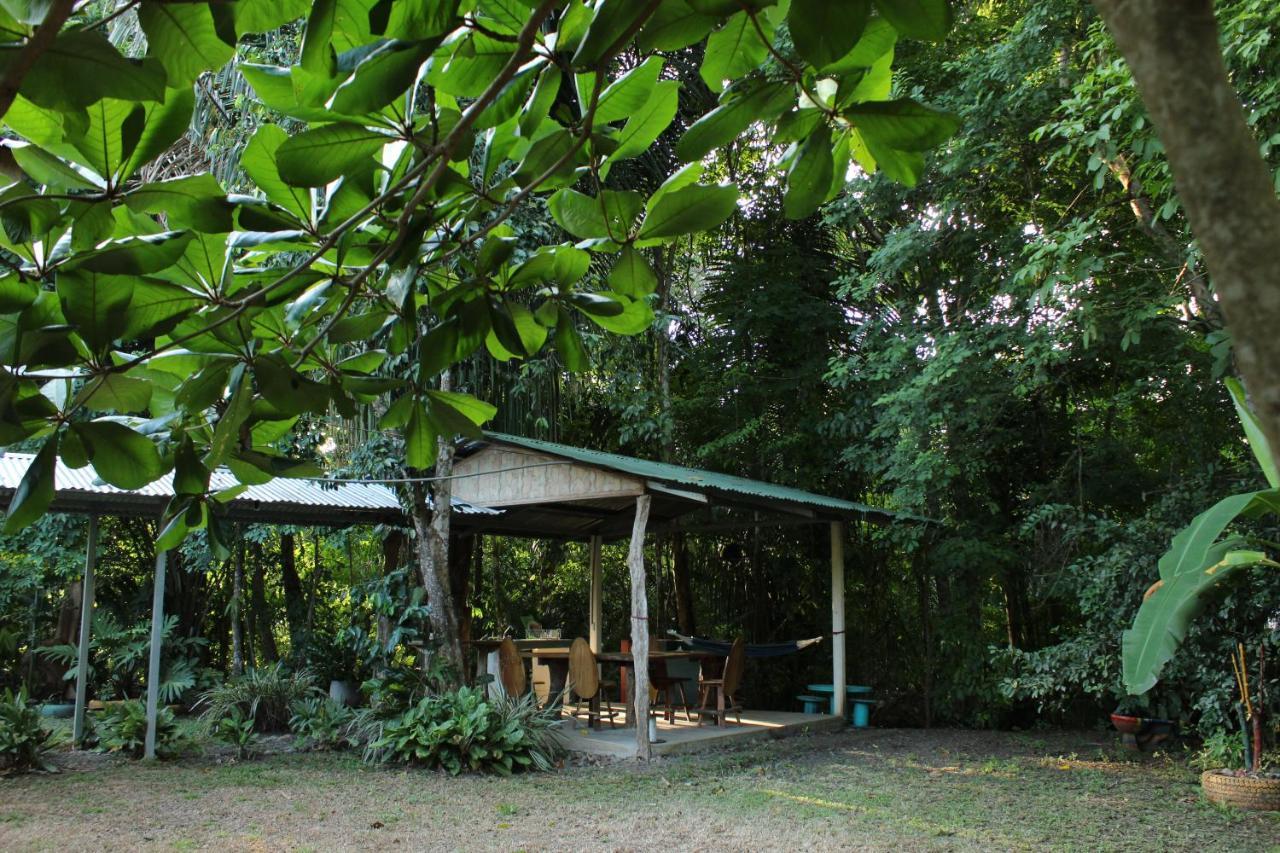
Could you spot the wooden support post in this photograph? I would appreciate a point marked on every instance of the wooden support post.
(153, 665)
(595, 616)
(839, 699)
(86, 631)
(237, 607)
(640, 629)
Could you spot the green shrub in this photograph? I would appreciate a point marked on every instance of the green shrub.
(122, 727)
(237, 729)
(24, 739)
(462, 730)
(266, 695)
(320, 723)
(1220, 749)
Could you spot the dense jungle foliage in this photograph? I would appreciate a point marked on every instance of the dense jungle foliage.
(1021, 346)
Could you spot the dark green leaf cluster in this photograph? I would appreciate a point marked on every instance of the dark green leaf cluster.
(24, 738)
(462, 730)
(122, 727)
(152, 321)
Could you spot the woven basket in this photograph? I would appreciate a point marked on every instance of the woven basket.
(1243, 792)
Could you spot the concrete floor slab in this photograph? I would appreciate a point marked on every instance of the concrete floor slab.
(682, 736)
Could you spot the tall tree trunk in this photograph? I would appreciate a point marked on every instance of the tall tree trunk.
(685, 617)
(261, 614)
(392, 547)
(432, 524)
(640, 627)
(1172, 48)
(460, 584)
(237, 606)
(295, 602)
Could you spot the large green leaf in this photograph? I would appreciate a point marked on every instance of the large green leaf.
(634, 317)
(809, 177)
(196, 201)
(382, 77)
(824, 31)
(36, 491)
(259, 163)
(419, 439)
(1193, 544)
(675, 24)
(902, 124)
(1162, 621)
(162, 124)
(648, 123)
(919, 19)
(260, 16)
(612, 20)
(183, 37)
(423, 19)
(81, 68)
(611, 215)
(95, 304)
(630, 92)
(134, 255)
(316, 157)
(735, 49)
(631, 274)
(1253, 432)
(120, 456)
(692, 208)
(739, 107)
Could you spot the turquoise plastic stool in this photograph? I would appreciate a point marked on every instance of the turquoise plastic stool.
(812, 703)
(862, 712)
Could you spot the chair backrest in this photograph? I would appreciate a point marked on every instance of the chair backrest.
(584, 678)
(734, 665)
(511, 668)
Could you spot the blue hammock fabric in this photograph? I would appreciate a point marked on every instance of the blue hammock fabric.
(754, 650)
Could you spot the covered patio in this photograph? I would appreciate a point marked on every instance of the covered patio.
(556, 491)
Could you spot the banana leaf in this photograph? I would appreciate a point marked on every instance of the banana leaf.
(1162, 620)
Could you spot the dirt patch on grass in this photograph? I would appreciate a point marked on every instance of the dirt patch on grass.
(878, 789)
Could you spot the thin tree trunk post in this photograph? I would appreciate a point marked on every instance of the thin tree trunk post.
(640, 628)
(237, 604)
(839, 700)
(596, 602)
(153, 665)
(86, 630)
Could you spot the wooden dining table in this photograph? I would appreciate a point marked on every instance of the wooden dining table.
(557, 661)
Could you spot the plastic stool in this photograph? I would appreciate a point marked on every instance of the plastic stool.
(812, 703)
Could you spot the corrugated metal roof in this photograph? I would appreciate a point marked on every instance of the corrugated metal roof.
(309, 501)
(696, 479)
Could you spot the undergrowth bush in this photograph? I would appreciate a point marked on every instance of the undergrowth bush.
(320, 723)
(265, 694)
(122, 727)
(462, 730)
(24, 739)
(236, 729)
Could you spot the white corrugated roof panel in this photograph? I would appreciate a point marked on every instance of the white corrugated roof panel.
(311, 499)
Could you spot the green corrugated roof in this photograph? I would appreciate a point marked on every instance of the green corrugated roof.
(695, 479)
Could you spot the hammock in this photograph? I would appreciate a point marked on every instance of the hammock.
(754, 650)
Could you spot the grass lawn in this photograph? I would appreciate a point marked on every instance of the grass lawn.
(878, 789)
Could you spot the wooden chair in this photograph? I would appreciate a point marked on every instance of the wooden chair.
(666, 685)
(585, 684)
(725, 688)
(511, 674)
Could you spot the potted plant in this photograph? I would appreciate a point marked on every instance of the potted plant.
(1251, 787)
